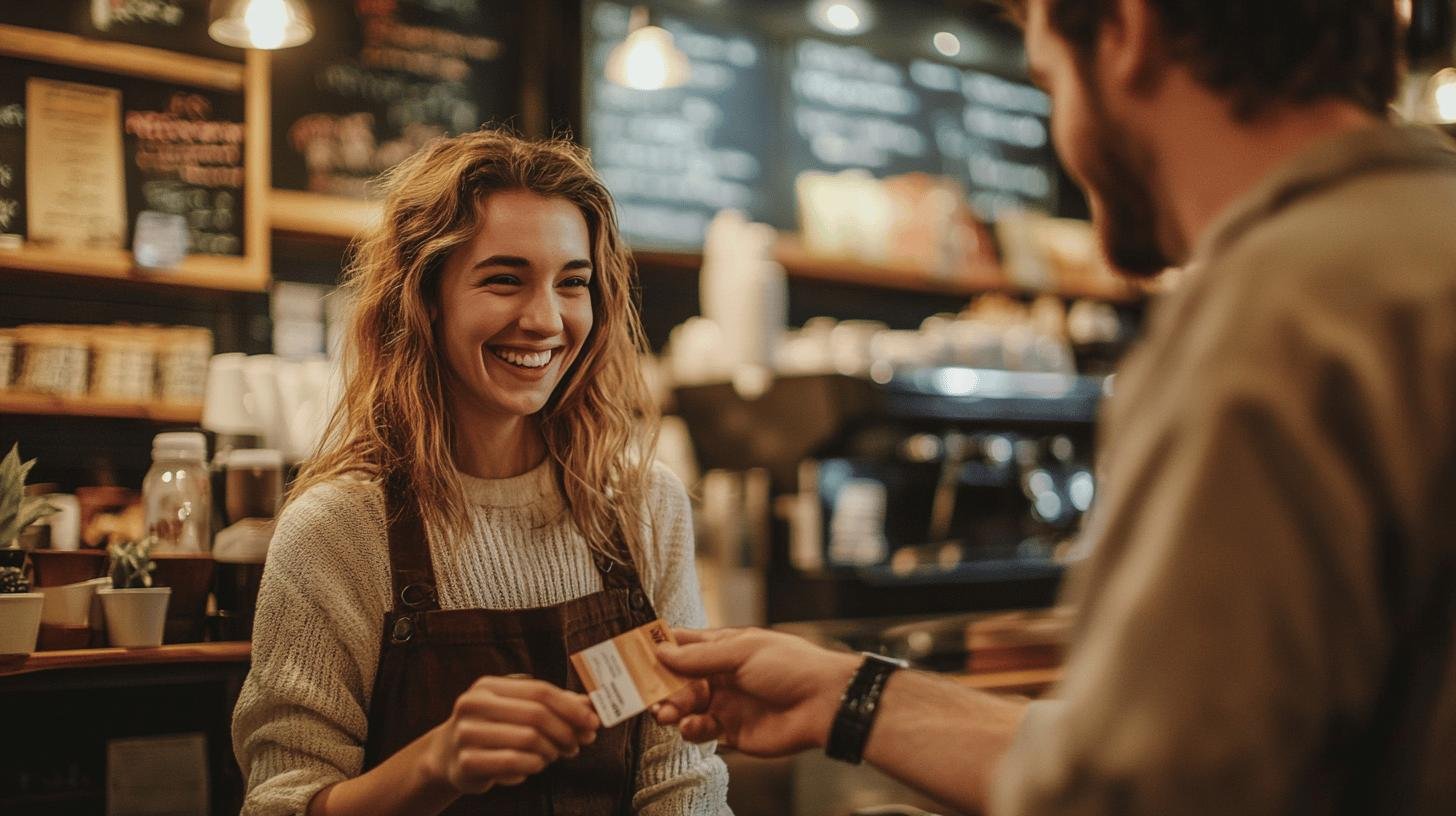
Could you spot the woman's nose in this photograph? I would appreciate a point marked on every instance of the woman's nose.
(541, 314)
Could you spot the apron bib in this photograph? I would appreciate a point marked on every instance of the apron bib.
(429, 656)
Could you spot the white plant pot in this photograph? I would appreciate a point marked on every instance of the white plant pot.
(70, 604)
(19, 622)
(135, 617)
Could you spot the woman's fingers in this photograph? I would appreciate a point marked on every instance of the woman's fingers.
(489, 707)
(476, 735)
(479, 769)
(574, 708)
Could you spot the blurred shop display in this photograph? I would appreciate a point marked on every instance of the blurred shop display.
(118, 363)
(278, 404)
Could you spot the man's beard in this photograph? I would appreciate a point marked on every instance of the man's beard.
(1125, 212)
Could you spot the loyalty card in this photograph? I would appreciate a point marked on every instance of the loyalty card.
(623, 676)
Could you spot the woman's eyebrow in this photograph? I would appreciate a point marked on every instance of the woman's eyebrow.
(514, 261)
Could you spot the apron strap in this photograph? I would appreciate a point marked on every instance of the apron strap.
(412, 575)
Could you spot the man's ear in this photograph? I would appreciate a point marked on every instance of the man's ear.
(1130, 46)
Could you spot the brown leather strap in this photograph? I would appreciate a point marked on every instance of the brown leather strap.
(618, 569)
(412, 574)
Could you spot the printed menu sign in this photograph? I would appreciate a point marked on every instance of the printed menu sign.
(75, 187)
(674, 157)
(381, 78)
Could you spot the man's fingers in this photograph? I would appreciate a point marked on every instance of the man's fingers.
(702, 728)
(684, 636)
(705, 658)
(690, 699)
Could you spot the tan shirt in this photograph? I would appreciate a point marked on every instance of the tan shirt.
(1266, 600)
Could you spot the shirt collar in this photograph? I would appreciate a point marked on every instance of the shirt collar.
(1378, 148)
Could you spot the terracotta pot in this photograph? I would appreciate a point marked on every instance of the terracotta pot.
(61, 567)
(55, 637)
(190, 577)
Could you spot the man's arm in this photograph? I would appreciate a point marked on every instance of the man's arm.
(773, 694)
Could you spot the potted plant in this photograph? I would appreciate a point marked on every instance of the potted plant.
(136, 611)
(19, 607)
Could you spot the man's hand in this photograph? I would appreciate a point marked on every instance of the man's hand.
(766, 693)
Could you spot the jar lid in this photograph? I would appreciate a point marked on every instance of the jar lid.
(179, 445)
(254, 458)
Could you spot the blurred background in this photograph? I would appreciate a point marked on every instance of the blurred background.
(879, 325)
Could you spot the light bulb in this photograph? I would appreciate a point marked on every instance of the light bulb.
(946, 43)
(265, 24)
(648, 61)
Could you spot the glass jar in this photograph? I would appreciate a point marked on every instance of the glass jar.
(177, 494)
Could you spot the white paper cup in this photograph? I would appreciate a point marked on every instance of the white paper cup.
(20, 622)
(135, 617)
(70, 604)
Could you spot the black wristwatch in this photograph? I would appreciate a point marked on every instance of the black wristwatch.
(851, 728)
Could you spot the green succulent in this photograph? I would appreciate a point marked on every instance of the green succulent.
(131, 563)
(16, 511)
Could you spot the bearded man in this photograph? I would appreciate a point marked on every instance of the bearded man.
(1266, 602)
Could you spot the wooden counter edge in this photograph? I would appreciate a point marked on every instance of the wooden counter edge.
(1031, 682)
(221, 652)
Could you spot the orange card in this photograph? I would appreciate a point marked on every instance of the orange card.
(623, 675)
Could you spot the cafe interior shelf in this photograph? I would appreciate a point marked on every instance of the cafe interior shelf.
(218, 652)
(199, 271)
(13, 402)
(121, 58)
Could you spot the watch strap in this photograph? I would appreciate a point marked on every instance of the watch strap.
(850, 731)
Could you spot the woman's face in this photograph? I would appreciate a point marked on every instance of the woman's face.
(515, 305)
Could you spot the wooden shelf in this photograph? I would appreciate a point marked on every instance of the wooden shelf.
(321, 215)
(198, 271)
(239, 651)
(803, 265)
(16, 402)
(120, 58)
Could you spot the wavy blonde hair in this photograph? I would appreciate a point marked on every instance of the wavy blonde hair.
(599, 426)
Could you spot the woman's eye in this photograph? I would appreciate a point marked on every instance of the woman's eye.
(501, 280)
(576, 282)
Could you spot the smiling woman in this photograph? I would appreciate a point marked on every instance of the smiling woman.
(483, 505)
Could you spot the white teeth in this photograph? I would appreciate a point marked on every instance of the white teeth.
(531, 359)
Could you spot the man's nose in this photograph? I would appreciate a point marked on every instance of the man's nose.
(541, 313)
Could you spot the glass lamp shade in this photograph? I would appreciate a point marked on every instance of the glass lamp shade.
(648, 60)
(263, 24)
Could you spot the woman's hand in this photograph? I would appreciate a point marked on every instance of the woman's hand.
(505, 729)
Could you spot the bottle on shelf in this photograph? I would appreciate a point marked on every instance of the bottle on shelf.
(177, 494)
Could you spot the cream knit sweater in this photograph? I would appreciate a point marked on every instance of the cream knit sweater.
(301, 719)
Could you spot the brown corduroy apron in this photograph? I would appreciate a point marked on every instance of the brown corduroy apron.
(429, 656)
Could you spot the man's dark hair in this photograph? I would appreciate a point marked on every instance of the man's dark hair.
(1263, 52)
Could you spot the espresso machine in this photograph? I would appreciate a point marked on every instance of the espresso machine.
(924, 492)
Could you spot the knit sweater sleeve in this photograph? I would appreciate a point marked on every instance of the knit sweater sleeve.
(675, 777)
(302, 715)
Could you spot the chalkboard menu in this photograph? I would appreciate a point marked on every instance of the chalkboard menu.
(382, 77)
(173, 25)
(770, 98)
(674, 157)
(183, 153)
(12, 155)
